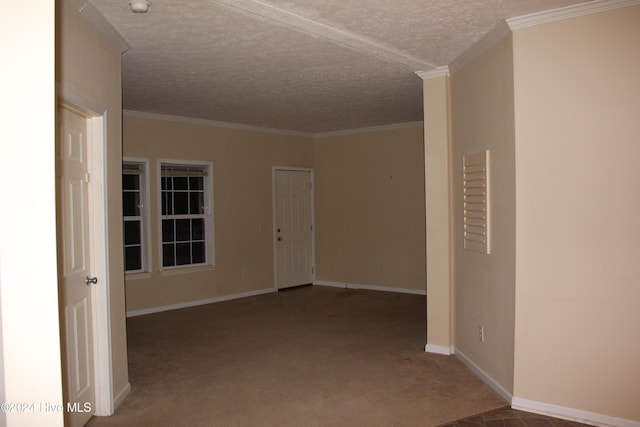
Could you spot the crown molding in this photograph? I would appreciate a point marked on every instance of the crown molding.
(206, 122)
(91, 14)
(370, 129)
(432, 74)
(505, 27)
(240, 126)
(500, 31)
(567, 12)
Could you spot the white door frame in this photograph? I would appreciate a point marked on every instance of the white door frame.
(99, 239)
(313, 220)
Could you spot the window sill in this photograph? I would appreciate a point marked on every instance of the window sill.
(187, 269)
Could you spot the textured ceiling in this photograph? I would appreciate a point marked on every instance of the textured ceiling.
(304, 65)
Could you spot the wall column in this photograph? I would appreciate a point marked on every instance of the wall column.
(437, 137)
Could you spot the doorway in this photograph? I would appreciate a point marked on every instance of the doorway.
(293, 233)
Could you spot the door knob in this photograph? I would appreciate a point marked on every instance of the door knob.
(91, 280)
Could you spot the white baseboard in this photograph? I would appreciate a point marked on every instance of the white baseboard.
(556, 411)
(121, 396)
(571, 413)
(499, 389)
(345, 285)
(198, 302)
(438, 349)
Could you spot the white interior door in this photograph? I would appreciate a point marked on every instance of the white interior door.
(293, 231)
(74, 266)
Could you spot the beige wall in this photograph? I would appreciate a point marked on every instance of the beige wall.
(88, 66)
(577, 106)
(28, 270)
(372, 236)
(243, 216)
(482, 102)
(370, 208)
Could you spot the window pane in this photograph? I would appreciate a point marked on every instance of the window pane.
(197, 229)
(133, 258)
(196, 183)
(166, 183)
(183, 230)
(198, 252)
(183, 253)
(197, 202)
(130, 203)
(130, 182)
(180, 203)
(167, 255)
(167, 230)
(167, 203)
(132, 233)
(180, 183)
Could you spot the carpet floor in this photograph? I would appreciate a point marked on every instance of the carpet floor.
(311, 356)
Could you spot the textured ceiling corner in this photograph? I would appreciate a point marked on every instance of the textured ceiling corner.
(91, 14)
(327, 32)
(498, 32)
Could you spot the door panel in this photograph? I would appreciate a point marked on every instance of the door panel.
(78, 323)
(75, 231)
(74, 259)
(293, 233)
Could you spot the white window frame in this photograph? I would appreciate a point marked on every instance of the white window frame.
(145, 226)
(208, 214)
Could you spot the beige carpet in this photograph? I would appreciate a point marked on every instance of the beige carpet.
(312, 356)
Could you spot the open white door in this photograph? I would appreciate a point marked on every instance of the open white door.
(293, 227)
(75, 274)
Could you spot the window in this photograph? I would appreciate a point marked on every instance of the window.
(134, 194)
(187, 232)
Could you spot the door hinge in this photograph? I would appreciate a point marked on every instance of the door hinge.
(311, 227)
(311, 186)
(313, 270)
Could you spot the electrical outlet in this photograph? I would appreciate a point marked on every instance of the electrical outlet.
(481, 333)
